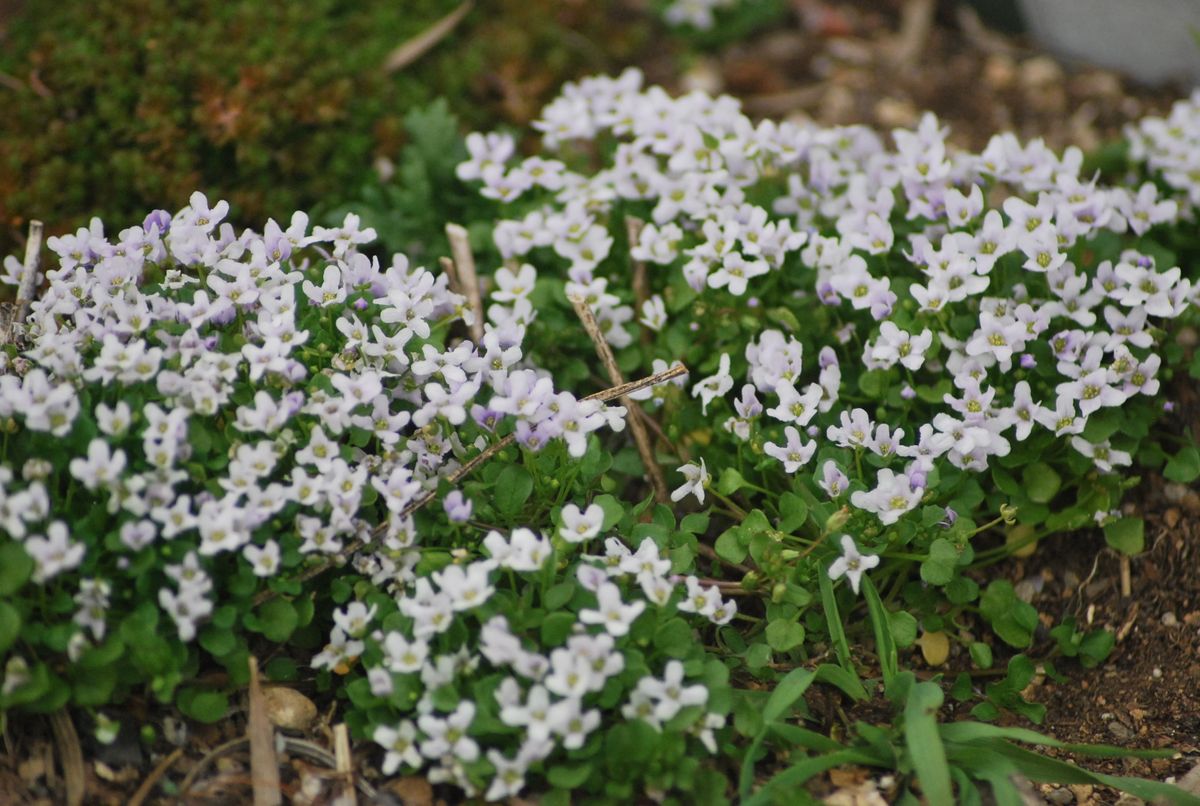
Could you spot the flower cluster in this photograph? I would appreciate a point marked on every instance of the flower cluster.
(965, 303)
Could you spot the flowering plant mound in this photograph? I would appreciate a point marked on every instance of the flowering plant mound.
(217, 442)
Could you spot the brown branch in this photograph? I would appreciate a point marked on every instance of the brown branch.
(641, 437)
(464, 470)
(464, 263)
(411, 50)
(143, 791)
(641, 288)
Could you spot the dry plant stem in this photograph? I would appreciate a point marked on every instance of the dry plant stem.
(637, 426)
(154, 777)
(345, 765)
(70, 754)
(452, 272)
(711, 553)
(25, 291)
(916, 19)
(464, 263)
(641, 290)
(298, 747)
(1126, 577)
(411, 50)
(264, 765)
(465, 469)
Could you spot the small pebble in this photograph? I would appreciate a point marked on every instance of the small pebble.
(1169, 619)
(1060, 796)
(1156, 673)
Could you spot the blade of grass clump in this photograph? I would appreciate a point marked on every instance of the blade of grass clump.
(885, 644)
(837, 633)
(838, 677)
(974, 731)
(1044, 769)
(925, 743)
(790, 780)
(787, 691)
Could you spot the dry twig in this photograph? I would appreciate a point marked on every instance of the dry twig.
(154, 777)
(264, 764)
(25, 291)
(70, 754)
(916, 20)
(468, 279)
(345, 765)
(411, 50)
(641, 436)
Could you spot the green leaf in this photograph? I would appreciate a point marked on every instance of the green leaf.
(216, 641)
(1184, 467)
(786, 692)
(730, 481)
(277, 620)
(614, 510)
(794, 511)
(203, 706)
(924, 742)
(903, 627)
(729, 545)
(10, 626)
(557, 597)
(1013, 620)
(556, 627)
(784, 634)
(943, 558)
(513, 486)
(569, 776)
(674, 637)
(981, 655)
(1126, 535)
(1041, 482)
(16, 566)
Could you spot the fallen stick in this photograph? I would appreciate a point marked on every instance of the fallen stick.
(264, 764)
(345, 765)
(154, 777)
(468, 279)
(641, 437)
(25, 291)
(70, 754)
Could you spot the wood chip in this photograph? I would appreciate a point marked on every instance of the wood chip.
(345, 766)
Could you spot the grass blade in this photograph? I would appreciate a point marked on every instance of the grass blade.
(925, 743)
(838, 677)
(837, 633)
(790, 780)
(885, 644)
(975, 731)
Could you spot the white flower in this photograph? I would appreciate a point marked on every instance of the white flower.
(615, 615)
(449, 735)
(265, 560)
(400, 744)
(714, 386)
(578, 526)
(696, 476)
(852, 564)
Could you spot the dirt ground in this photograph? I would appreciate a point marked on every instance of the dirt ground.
(838, 63)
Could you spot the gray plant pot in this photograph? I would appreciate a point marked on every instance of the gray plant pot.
(1153, 41)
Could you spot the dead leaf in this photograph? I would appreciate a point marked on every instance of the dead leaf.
(935, 647)
(412, 790)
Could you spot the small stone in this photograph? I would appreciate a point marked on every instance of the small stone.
(288, 708)
(1060, 796)
(1174, 491)
(1129, 800)
(1156, 673)
(1169, 619)
(1082, 792)
(895, 112)
(1118, 730)
(1191, 502)
(1039, 72)
(999, 71)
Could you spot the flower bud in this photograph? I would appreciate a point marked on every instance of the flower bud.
(837, 520)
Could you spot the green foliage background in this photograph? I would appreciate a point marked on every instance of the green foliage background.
(113, 108)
